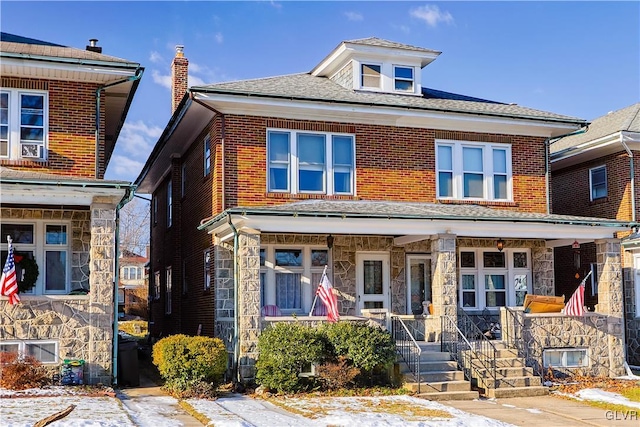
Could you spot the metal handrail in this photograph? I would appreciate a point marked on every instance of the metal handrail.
(407, 347)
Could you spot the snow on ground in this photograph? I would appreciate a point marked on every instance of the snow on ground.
(242, 411)
(606, 396)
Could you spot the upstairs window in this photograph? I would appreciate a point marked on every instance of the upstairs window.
(403, 79)
(183, 180)
(598, 182)
(302, 162)
(169, 204)
(467, 170)
(207, 155)
(23, 124)
(370, 75)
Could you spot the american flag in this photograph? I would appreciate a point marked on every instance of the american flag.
(575, 305)
(9, 281)
(329, 299)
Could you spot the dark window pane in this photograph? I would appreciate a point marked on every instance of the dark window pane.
(311, 180)
(373, 277)
(496, 299)
(31, 118)
(289, 257)
(319, 258)
(4, 100)
(445, 184)
(56, 271)
(342, 182)
(56, 235)
(493, 259)
(373, 304)
(32, 134)
(520, 259)
(278, 147)
(403, 85)
(473, 185)
(500, 187)
(468, 299)
(404, 72)
(342, 150)
(263, 256)
(32, 101)
(278, 179)
(468, 259)
(20, 233)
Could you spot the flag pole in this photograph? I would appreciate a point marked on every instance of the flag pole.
(315, 299)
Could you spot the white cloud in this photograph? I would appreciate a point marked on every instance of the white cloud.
(137, 138)
(354, 16)
(276, 4)
(195, 81)
(432, 15)
(124, 167)
(219, 38)
(155, 57)
(163, 80)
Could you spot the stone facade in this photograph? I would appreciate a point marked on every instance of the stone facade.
(82, 325)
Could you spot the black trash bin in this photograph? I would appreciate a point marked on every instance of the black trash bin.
(128, 374)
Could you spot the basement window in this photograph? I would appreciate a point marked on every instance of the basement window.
(565, 357)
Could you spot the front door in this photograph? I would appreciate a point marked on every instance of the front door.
(418, 282)
(372, 278)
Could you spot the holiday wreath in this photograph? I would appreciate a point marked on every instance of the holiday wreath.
(30, 272)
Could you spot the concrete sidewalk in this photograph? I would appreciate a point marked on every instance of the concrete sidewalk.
(546, 411)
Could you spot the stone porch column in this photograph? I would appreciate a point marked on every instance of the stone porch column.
(610, 299)
(101, 297)
(444, 288)
(249, 303)
(543, 266)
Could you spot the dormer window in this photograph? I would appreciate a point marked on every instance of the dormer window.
(370, 75)
(403, 79)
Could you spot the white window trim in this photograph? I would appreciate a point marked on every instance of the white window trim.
(636, 282)
(361, 75)
(480, 271)
(606, 183)
(169, 203)
(412, 80)
(156, 285)
(294, 167)
(308, 289)
(14, 141)
(487, 169)
(564, 351)
(168, 287)
(39, 249)
(22, 348)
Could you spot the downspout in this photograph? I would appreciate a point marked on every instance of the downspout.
(137, 76)
(222, 138)
(632, 172)
(116, 266)
(547, 162)
(236, 348)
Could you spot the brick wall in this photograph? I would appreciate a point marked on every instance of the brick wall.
(71, 141)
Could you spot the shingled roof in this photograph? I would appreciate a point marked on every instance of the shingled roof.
(375, 41)
(305, 87)
(624, 120)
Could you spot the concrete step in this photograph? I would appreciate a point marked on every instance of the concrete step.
(518, 382)
(517, 392)
(502, 363)
(517, 371)
(435, 376)
(434, 356)
(500, 353)
(429, 346)
(442, 365)
(449, 395)
(439, 387)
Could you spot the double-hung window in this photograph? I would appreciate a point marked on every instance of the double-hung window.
(469, 170)
(403, 79)
(168, 287)
(370, 76)
(23, 124)
(207, 269)
(156, 285)
(306, 162)
(169, 204)
(598, 182)
(48, 244)
(207, 155)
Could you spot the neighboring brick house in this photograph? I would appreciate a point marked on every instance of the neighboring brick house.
(61, 111)
(133, 286)
(596, 173)
(402, 191)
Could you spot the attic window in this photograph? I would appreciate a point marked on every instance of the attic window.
(403, 79)
(370, 75)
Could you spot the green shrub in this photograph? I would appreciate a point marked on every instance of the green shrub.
(285, 350)
(366, 347)
(187, 362)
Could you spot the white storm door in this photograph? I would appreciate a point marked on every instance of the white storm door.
(636, 278)
(372, 277)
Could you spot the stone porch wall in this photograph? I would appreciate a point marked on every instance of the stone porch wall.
(82, 325)
(632, 322)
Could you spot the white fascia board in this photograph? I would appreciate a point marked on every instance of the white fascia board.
(389, 116)
(329, 64)
(53, 195)
(423, 227)
(64, 71)
(405, 240)
(596, 144)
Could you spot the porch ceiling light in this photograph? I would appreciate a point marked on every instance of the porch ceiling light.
(500, 245)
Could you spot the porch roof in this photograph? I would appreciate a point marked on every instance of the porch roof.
(411, 221)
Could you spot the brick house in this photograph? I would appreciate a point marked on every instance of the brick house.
(407, 194)
(133, 284)
(61, 111)
(595, 174)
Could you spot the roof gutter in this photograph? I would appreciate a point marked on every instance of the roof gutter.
(632, 175)
(70, 183)
(547, 161)
(136, 79)
(72, 61)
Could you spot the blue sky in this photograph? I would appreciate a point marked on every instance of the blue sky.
(576, 58)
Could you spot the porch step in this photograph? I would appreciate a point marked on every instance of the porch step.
(517, 382)
(437, 376)
(427, 346)
(438, 365)
(503, 363)
(439, 386)
(505, 392)
(449, 395)
(500, 353)
(517, 371)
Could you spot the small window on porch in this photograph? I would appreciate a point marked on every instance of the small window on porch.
(565, 357)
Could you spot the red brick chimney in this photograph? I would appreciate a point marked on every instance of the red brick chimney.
(179, 79)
